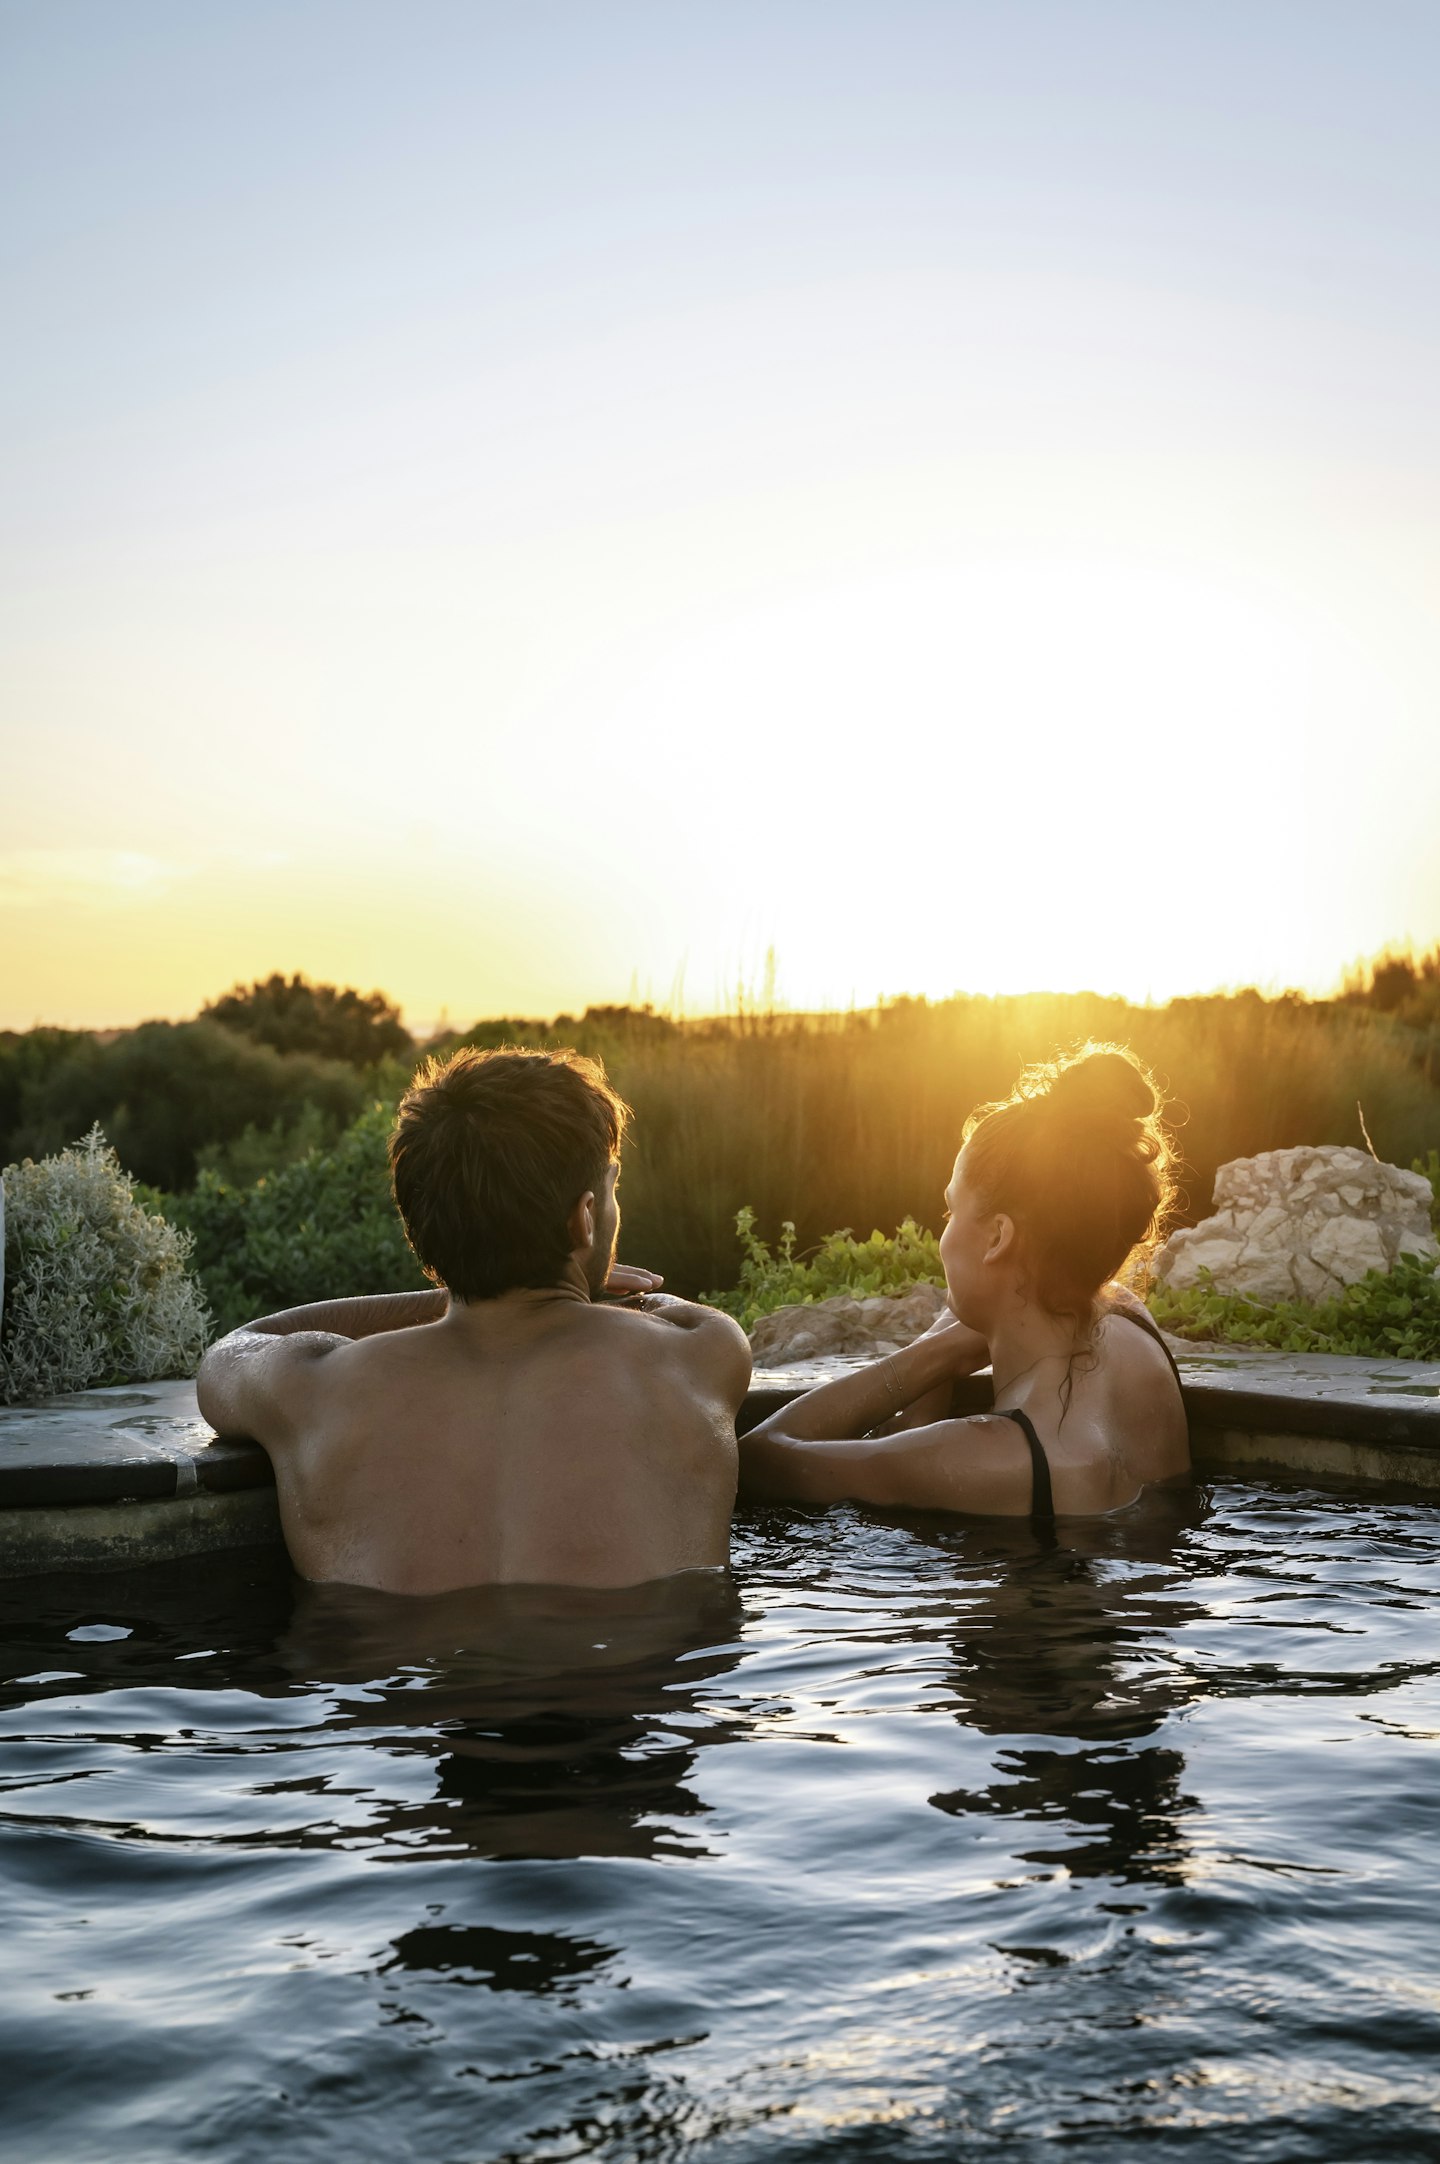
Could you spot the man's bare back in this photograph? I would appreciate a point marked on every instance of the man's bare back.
(537, 1438)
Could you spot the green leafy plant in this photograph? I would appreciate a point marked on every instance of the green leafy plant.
(1397, 1315)
(97, 1288)
(260, 1151)
(1429, 1169)
(317, 1229)
(840, 1264)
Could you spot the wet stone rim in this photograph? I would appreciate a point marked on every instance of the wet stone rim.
(142, 1443)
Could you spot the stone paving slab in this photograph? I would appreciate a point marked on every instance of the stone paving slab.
(1318, 1394)
(140, 1442)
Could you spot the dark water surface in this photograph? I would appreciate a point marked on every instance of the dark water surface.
(910, 1840)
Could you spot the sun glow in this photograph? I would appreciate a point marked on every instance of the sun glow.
(986, 777)
(1004, 772)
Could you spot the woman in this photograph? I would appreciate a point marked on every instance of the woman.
(1051, 1193)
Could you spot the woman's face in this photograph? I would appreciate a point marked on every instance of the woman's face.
(963, 1245)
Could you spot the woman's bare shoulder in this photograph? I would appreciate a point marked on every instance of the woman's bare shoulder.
(1144, 1408)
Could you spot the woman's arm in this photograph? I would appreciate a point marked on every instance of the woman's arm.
(971, 1353)
(815, 1447)
(979, 1464)
(857, 1404)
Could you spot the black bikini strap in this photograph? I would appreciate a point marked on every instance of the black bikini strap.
(1042, 1503)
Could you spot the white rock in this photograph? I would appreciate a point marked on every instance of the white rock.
(1302, 1224)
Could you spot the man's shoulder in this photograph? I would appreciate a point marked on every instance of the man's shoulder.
(663, 1316)
(371, 1366)
(691, 1339)
(255, 1382)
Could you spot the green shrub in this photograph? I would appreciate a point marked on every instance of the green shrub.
(315, 1230)
(840, 1263)
(165, 1090)
(1397, 1315)
(96, 1288)
(28, 1059)
(260, 1151)
(840, 1119)
(821, 1119)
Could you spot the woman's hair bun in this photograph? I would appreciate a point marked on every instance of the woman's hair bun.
(1079, 1157)
(1102, 1082)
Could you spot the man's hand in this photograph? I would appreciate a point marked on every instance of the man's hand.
(625, 1282)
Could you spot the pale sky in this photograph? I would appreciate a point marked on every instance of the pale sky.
(537, 504)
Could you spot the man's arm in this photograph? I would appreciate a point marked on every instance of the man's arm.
(365, 1316)
(252, 1382)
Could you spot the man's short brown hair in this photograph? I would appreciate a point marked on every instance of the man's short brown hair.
(490, 1154)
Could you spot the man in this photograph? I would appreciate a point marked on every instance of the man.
(512, 1426)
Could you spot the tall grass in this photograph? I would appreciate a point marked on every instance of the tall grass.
(854, 1120)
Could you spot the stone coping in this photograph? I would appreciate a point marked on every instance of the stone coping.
(146, 1441)
(1229, 1386)
(137, 1443)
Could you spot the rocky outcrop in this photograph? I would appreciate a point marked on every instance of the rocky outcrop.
(1302, 1224)
(865, 1329)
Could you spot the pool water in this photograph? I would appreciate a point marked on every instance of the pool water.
(911, 1839)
